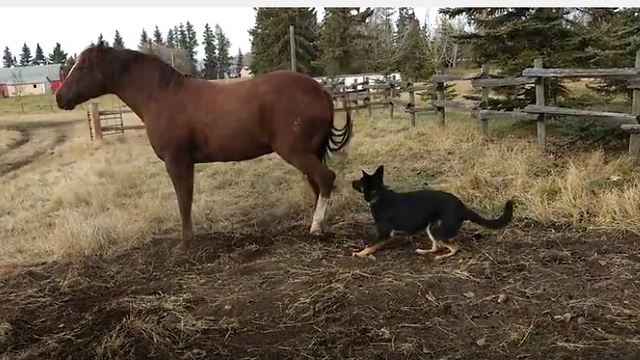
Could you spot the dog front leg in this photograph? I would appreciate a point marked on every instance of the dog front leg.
(384, 237)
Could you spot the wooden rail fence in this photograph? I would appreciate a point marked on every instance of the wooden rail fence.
(106, 122)
(351, 95)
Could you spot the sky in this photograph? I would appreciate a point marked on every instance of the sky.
(76, 28)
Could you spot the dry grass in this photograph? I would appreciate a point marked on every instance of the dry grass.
(46, 104)
(254, 285)
(8, 138)
(82, 199)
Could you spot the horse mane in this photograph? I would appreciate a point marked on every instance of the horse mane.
(122, 61)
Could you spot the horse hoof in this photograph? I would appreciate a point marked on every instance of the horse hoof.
(316, 232)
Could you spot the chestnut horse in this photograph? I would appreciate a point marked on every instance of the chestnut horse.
(190, 120)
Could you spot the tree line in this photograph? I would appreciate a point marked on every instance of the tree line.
(178, 48)
(386, 40)
(353, 40)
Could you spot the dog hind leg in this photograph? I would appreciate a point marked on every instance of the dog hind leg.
(448, 229)
(435, 244)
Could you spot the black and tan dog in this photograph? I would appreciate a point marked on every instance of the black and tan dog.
(440, 213)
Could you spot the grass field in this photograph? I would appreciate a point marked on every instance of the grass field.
(82, 277)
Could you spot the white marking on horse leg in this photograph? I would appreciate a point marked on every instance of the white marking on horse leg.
(319, 214)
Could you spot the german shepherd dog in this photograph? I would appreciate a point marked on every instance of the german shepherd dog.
(439, 212)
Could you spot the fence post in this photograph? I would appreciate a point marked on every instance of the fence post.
(412, 104)
(292, 42)
(391, 104)
(542, 130)
(369, 102)
(440, 97)
(484, 123)
(634, 138)
(95, 120)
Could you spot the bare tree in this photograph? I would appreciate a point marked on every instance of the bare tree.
(178, 58)
(16, 76)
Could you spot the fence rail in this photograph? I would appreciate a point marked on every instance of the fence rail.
(479, 106)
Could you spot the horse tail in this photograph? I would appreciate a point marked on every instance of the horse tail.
(338, 138)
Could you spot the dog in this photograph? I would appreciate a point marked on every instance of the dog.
(439, 212)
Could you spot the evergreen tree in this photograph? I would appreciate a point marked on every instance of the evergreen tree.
(191, 44)
(383, 52)
(210, 55)
(7, 58)
(171, 39)
(342, 28)
(222, 46)
(118, 43)
(511, 38)
(239, 62)
(25, 56)
(183, 41)
(157, 37)
(58, 56)
(611, 36)
(39, 58)
(145, 42)
(405, 16)
(413, 61)
(101, 41)
(270, 43)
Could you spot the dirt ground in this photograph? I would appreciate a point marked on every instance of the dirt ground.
(528, 292)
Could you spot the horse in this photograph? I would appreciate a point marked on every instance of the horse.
(189, 120)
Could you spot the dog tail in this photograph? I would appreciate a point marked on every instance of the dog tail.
(493, 224)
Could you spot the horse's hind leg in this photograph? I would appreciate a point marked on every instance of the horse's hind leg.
(321, 179)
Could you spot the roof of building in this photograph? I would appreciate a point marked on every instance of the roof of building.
(30, 74)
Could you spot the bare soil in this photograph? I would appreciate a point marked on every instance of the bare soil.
(526, 293)
(36, 139)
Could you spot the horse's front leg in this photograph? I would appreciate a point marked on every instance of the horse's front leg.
(180, 169)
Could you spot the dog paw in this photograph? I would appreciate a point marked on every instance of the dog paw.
(359, 254)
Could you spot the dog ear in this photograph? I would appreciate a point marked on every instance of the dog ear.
(364, 174)
(357, 185)
(379, 172)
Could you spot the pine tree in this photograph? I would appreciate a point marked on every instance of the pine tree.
(405, 16)
(101, 41)
(191, 44)
(413, 61)
(39, 58)
(7, 58)
(145, 42)
(270, 43)
(239, 62)
(58, 56)
(222, 46)
(171, 39)
(183, 41)
(383, 51)
(511, 38)
(613, 37)
(210, 56)
(157, 37)
(341, 28)
(118, 43)
(25, 56)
